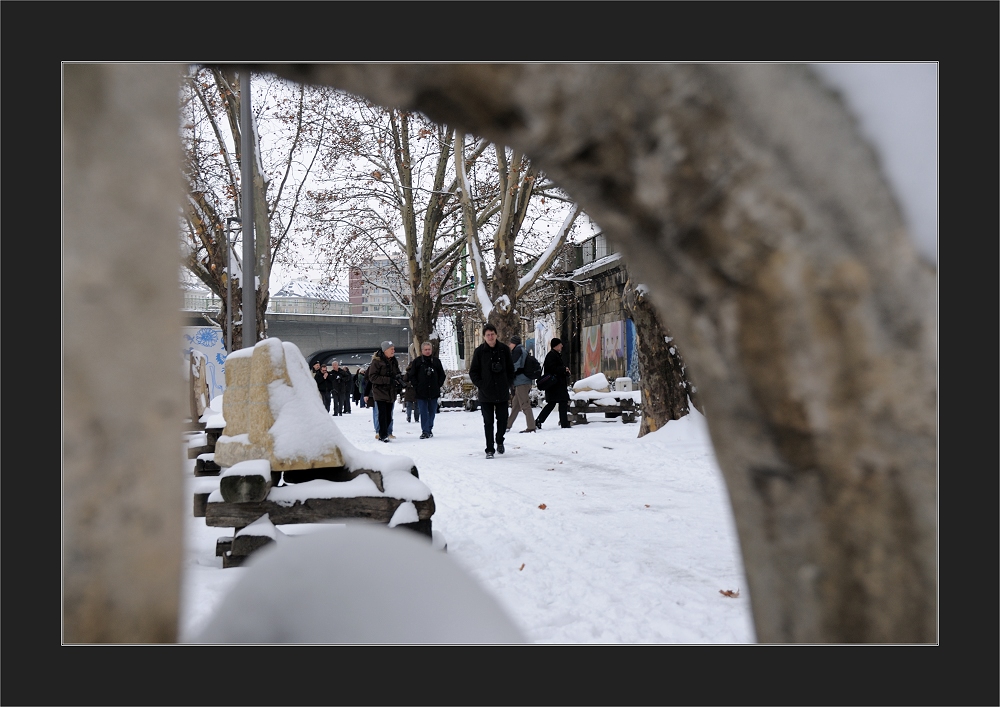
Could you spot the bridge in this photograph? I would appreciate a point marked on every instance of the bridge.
(349, 338)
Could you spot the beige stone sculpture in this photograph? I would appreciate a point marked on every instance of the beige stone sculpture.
(263, 396)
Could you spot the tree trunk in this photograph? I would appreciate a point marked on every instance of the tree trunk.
(746, 198)
(504, 315)
(662, 375)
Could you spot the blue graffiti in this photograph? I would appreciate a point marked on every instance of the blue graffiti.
(207, 337)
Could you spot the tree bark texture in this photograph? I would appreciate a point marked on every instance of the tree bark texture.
(662, 375)
(745, 198)
(123, 493)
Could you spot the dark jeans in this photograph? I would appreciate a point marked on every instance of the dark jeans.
(563, 413)
(384, 418)
(338, 403)
(326, 400)
(427, 408)
(491, 410)
(345, 403)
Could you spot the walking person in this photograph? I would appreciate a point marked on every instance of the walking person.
(492, 372)
(520, 402)
(341, 388)
(371, 401)
(427, 375)
(336, 385)
(410, 398)
(557, 393)
(384, 375)
(325, 385)
(359, 386)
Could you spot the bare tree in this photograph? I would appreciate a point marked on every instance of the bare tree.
(497, 293)
(395, 208)
(213, 150)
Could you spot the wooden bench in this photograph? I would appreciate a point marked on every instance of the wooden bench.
(245, 500)
(579, 408)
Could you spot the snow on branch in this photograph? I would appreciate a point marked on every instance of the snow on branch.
(546, 258)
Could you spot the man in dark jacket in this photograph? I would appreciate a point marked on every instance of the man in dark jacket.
(492, 372)
(427, 375)
(556, 393)
(325, 385)
(384, 375)
(338, 385)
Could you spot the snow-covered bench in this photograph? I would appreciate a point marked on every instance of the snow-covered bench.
(594, 395)
(247, 501)
(282, 460)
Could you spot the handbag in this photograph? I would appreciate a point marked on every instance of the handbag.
(546, 381)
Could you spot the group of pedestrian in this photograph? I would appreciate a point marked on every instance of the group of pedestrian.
(334, 384)
(421, 386)
(497, 370)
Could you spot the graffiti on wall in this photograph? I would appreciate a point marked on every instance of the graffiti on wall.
(591, 340)
(208, 340)
(631, 351)
(613, 350)
(545, 331)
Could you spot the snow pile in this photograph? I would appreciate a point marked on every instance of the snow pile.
(251, 467)
(262, 527)
(212, 417)
(598, 382)
(406, 513)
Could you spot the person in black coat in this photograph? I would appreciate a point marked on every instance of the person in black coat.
(325, 385)
(492, 372)
(557, 393)
(427, 375)
(341, 381)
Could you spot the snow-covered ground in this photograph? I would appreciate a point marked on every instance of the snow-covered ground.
(584, 535)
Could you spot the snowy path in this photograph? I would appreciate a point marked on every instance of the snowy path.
(634, 544)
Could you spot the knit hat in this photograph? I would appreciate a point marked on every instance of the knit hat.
(515, 340)
(555, 342)
(386, 345)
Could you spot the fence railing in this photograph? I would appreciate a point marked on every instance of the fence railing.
(280, 305)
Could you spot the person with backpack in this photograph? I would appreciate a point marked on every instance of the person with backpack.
(526, 370)
(557, 392)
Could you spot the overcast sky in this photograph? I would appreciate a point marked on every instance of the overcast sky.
(897, 109)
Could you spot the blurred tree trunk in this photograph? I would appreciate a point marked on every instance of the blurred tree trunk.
(748, 200)
(663, 380)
